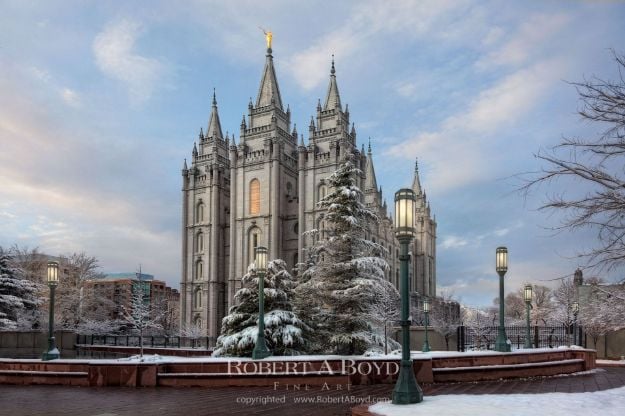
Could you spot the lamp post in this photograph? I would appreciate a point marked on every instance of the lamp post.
(260, 349)
(527, 296)
(406, 389)
(501, 265)
(575, 312)
(53, 280)
(426, 310)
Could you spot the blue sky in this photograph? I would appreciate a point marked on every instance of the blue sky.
(100, 102)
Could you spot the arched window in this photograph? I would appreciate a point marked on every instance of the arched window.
(255, 240)
(199, 270)
(197, 298)
(199, 212)
(198, 322)
(322, 229)
(323, 192)
(199, 241)
(430, 276)
(254, 197)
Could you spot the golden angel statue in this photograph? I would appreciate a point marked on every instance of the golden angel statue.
(268, 36)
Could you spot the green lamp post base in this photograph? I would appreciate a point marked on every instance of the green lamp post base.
(53, 354)
(259, 354)
(260, 350)
(502, 346)
(407, 391)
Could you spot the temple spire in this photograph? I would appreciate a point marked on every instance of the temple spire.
(371, 181)
(269, 92)
(214, 126)
(333, 99)
(416, 183)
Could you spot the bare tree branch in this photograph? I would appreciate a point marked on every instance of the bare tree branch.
(593, 169)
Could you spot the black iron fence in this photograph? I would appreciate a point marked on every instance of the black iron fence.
(148, 341)
(483, 338)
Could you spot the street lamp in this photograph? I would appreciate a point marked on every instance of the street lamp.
(426, 310)
(527, 296)
(501, 266)
(53, 280)
(575, 312)
(406, 390)
(260, 349)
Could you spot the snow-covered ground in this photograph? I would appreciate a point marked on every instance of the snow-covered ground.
(618, 362)
(604, 403)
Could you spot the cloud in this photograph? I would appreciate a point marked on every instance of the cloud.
(529, 40)
(453, 241)
(369, 23)
(65, 189)
(115, 55)
(406, 89)
(71, 97)
(6, 214)
(462, 139)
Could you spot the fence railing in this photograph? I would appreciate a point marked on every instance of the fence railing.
(483, 338)
(156, 341)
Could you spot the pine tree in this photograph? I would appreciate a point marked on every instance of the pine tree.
(284, 331)
(343, 291)
(17, 296)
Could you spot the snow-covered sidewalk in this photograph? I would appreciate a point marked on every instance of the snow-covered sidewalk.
(604, 403)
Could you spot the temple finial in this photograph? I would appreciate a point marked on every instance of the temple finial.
(214, 97)
(416, 165)
(332, 71)
(369, 149)
(268, 38)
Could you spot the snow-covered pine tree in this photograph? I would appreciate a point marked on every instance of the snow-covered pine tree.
(341, 293)
(17, 296)
(284, 331)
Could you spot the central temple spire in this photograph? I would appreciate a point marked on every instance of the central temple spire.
(333, 99)
(269, 91)
(214, 126)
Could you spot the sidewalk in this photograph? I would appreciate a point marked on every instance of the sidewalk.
(283, 400)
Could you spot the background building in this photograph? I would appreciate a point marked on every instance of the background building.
(264, 191)
(118, 288)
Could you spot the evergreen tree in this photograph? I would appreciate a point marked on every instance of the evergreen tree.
(284, 331)
(17, 296)
(342, 292)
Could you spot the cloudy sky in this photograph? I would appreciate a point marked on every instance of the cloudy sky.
(100, 102)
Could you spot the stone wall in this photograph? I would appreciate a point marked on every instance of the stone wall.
(32, 344)
(417, 338)
(611, 345)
